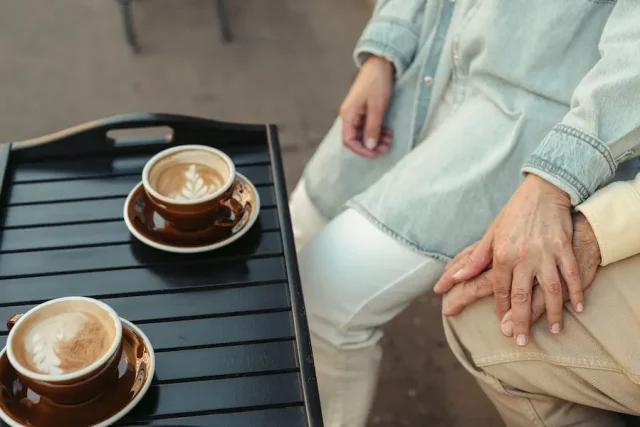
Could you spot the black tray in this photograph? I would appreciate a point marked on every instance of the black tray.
(228, 327)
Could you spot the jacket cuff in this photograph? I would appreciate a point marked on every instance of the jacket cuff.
(389, 38)
(614, 215)
(574, 161)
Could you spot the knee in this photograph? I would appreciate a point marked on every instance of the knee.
(475, 333)
(306, 220)
(325, 309)
(332, 313)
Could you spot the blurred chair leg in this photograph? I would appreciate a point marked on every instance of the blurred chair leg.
(129, 29)
(223, 19)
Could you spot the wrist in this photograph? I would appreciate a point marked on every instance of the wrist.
(584, 238)
(380, 62)
(548, 187)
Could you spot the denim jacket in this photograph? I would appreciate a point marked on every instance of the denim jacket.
(549, 87)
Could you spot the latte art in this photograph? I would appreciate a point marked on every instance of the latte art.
(65, 343)
(188, 181)
(194, 186)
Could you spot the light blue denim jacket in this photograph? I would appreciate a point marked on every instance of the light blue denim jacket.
(549, 87)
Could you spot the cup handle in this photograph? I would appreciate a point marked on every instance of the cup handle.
(12, 321)
(235, 208)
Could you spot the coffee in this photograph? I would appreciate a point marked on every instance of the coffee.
(64, 338)
(188, 181)
(189, 175)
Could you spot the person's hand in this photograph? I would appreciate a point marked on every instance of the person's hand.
(587, 252)
(530, 239)
(364, 107)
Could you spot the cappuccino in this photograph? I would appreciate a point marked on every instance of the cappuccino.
(189, 174)
(64, 338)
(188, 181)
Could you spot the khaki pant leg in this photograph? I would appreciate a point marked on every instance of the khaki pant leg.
(571, 379)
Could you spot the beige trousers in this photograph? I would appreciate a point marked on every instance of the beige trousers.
(582, 377)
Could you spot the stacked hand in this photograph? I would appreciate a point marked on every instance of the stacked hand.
(530, 241)
(364, 107)
(587, 252)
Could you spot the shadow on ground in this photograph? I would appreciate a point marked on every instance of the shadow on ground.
(66, 62)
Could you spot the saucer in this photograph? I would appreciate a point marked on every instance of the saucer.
(20, 406)
(146, 224)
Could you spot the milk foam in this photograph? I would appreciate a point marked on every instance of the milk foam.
(43, 339)
(194, 185)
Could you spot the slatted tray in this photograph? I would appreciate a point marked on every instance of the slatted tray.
(228, 327)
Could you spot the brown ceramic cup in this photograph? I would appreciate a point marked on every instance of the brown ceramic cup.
(192, 186)
(71, 386)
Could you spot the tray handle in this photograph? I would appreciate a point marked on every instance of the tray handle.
(96, 137)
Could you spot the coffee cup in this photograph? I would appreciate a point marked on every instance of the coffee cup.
(66, 349)
(192, 186)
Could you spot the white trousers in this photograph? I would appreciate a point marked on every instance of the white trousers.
(355, 279)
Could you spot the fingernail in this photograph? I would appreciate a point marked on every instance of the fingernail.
(555, 328)
(579, 307)
(521, 340)
(507, 328)
(457, 274)
(370, 143)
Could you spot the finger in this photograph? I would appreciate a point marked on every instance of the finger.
(386, 131)
(538, 305)
(466, 293)
(384, 143)
(454, 265)
(571, 276)
(358, 148)
(506, 324)
(461, 258)
(373, 124)
(351, 124)
(521, 303)
(479, 259)
(382, 148)
(470, 266)
(352, 121)
(537, 310)
(385, 140)
(502, 278)
(549, 280)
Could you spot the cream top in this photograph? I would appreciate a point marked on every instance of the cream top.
(614, 215)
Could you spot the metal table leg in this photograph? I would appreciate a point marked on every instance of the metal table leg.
(129, 29)
(132, 38)
(223, 19)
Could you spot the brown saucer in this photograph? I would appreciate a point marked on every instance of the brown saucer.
(151, 228)
(20, 406)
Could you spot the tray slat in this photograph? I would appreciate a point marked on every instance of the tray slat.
(97, 188)
(87, 211)
(218, 395)
(93, 234)
(291, 416)
(199, 303)
(126, 256)
(162, 278)
(220, 331)
(243, 359)
(110, 166)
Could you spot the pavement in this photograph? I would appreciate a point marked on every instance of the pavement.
(66, 62)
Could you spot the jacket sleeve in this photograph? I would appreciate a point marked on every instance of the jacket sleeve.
(392, 32)
(602, 128)
(614, 215)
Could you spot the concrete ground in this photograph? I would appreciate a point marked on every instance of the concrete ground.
(66, 62)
